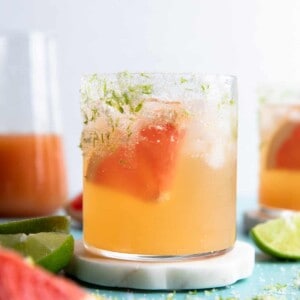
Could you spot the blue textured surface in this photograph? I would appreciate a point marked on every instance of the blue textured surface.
(271, 279)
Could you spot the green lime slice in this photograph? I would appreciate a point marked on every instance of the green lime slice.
(279, 237)
(35, 225)
(51, 250)
(13, 241)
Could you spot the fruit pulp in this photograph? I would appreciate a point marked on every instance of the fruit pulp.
(32, 177)
(33, 282)
(280, 157)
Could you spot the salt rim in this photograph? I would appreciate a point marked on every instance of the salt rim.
(126, 91)
(280, 93)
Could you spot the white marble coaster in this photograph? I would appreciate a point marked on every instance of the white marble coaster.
(197, 273)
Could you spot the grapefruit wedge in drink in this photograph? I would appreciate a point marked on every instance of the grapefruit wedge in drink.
(284, 151)
(144, 169)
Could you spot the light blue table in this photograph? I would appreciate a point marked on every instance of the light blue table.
(271, 279)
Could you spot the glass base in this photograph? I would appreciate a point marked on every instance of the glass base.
(153, 258)
(271, 212)
(263, 214)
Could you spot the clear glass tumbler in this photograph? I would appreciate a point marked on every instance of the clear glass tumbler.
(33, 176)
(279, 188)
(159, 156)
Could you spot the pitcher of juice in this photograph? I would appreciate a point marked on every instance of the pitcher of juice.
(279, 188)
(33, 175)
(159, 164)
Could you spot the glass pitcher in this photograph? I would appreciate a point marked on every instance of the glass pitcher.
(33, 177)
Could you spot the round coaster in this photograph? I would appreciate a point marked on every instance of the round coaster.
(196, 273)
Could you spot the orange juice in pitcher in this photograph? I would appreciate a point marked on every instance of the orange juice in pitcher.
(33, 179)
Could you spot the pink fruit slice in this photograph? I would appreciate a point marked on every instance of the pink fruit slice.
(284, 152)
(144, 170)
(20, 280)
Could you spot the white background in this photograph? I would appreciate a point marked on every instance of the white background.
(256, 40)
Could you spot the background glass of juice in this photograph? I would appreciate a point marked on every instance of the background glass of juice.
(32, 176)
(159, 164)
(279, 187)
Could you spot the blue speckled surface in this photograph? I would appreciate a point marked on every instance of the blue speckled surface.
(271, 279)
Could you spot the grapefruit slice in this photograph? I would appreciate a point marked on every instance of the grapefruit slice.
(144, 170)
(21, 280)
(284, 150)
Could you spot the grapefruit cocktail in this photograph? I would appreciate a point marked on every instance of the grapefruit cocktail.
(280, 156)
(159, 155)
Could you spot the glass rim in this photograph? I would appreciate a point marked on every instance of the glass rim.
(165, 85)
(280, 94)
(25, 32)
(167, 73)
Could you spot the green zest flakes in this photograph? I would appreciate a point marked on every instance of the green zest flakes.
(204, 87)
(183, 80)
(124, 94)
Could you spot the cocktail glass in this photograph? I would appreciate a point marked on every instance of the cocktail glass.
(279, 188)
(159, 164)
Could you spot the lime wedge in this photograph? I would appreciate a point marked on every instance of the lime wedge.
(279, 237)
(51, 250)
(35, 225)
(13, 241)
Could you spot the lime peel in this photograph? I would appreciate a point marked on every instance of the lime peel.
(51, 250)
(35, 225)
(46, 240)
(279, 237)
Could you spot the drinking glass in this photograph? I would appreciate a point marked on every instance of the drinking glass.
(32, 177)
(159, 164)
(279, 188)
